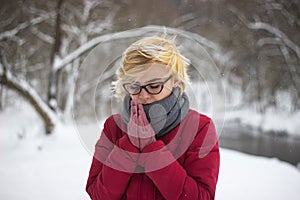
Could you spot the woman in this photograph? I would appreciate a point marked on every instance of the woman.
(157, 148)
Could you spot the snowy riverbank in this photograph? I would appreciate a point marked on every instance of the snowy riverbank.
(35, 167)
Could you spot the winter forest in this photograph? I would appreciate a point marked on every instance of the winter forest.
(58, 59)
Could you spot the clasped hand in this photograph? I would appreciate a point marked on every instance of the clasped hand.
(139, 130)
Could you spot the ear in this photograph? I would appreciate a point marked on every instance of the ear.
(176, 83)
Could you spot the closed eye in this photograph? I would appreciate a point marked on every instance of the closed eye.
(155, 85)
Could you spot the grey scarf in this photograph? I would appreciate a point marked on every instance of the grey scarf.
(163, 115)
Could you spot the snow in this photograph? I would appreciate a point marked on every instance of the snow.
(25, 88)
(22, 26)
(131, 34)
(278, 33)
(281, 118)
(272, 120)
(36, 166)
(259, 25)
(250, 177)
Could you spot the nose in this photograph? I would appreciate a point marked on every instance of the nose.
(143, 94)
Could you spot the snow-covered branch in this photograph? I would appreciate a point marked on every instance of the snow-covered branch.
(279, 7)
(43, 36)
(238, 14)
(286, 56)
(128, 34)
(188, 21)
(22, 26)
(74, 10)
(22, 87)
(291, 69)
(269, 40)
(278, 33)
(183, 19)
(5, 22)
(259, 25)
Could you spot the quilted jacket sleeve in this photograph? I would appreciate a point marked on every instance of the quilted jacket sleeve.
(197, 177)
(111, 163)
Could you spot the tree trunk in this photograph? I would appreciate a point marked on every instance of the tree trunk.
(71, 84)
(54, 57)
(1, 97)
(23, 88)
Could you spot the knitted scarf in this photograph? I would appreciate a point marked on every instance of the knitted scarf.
(163, 115)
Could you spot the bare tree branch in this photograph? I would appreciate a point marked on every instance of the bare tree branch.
(269, 40)
(5, 22)
(43, 36)
(278, 33)
(292, 20)
(183, 19)
(258, 25)
(286, 56)
(13, 32)
(54, 57)
(128, 34)
(291, 68)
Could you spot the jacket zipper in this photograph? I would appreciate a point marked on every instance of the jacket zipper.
(141, 186)
(154, 192)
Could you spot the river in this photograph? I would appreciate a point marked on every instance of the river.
(269, 144)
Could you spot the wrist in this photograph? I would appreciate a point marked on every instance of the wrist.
(146, 142)
(125, 144)
(150, 152)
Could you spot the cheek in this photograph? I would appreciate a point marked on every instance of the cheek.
(134, 97)
(165, 93)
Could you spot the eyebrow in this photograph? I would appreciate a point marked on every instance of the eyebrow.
(149, 81)
(152, 80)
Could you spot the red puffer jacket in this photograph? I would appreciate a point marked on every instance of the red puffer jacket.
(183, 164)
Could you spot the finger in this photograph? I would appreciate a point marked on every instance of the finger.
(133, 108)
(132, 125)
(140, 110)
(133, 102)
(146, 128)
(140, 120)
(141, 130)
(142, 115)
(137, 108)
(132, 128)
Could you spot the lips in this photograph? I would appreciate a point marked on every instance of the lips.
(144, 102)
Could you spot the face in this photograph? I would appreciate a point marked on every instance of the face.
(155, 73)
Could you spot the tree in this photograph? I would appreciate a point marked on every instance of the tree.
(15, 39)
(277, 21)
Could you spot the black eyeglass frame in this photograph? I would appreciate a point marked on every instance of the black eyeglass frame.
(162, 84)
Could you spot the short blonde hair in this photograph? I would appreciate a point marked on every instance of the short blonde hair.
(151, 50)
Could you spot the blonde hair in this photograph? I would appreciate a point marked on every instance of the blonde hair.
(146, 51)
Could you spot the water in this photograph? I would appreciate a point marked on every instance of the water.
(271, 144)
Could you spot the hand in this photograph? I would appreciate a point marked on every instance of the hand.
(139, 130)
(146, 132)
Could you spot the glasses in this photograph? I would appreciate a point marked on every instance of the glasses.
(151, 88)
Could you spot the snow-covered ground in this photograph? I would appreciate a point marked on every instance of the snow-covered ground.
(34, 166)
(272, 120)
(282, 118)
